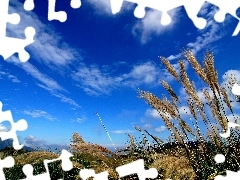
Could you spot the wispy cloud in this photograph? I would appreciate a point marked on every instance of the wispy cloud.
(146, 73)
(93, 81)
(79, 119)
(43, 78)
(150, 25)
(152, 113)
(210, 34)
(123, 131)
(45, 81)
(184, 110)
(9, 76)
(147, 126)
(39, 114)
(96, 82)
(48, 49)
(233, 118)
(48, 46)
(66, 99)
(160, 129)
(103, 7)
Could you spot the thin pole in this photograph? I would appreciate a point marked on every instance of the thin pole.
(106, 130)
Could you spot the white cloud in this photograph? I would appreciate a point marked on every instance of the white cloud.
(172, 57)
(146, 73)
(44, 79)
(65, 99)
(152, 113)
(233, 117)
(184, 110)
(9, 76)
(160, 129)
(233, 75)
(147, 126)
(3, 128)
(39, 114)
(123, 131)
(46, 82)
(103, 7)
(79, 120)
(31, 141)
(96, 82)
(150, 25)
(62, 97)
(93, 81)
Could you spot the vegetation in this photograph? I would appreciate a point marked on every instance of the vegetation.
(189, 152)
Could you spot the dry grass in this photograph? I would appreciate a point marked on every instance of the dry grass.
(174, 167)
(34, 157)
(218, 103)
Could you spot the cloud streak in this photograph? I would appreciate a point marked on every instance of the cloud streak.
(48, 49)
(11, 77)
(39, 114)
(48, 46)
(123, 131)
(150, 25)
(96, 82)
(210, 34)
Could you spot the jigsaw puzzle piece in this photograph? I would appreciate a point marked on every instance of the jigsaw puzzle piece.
(137, 167)
(28, 5)
(5, 17)
(20, 125)
(52, 14)
(116, 5)
(75, 4)
(7, 162)
(139, 11)
(28, 171)
(87, 173)
(9, 46)
(230, 125)
(227, 7)
(236, 89)
(192, 8)
(230, 175)
(159, 5)
(66, 166)
(13, 18)
(66, 162)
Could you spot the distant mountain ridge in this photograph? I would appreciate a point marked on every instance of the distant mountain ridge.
(9, 143)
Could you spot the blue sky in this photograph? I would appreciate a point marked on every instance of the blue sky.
(97, 61)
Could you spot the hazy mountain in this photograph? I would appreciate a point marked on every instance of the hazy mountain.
(8, 143)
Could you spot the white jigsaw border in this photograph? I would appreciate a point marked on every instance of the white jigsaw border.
(192, 8)
(6, 50)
